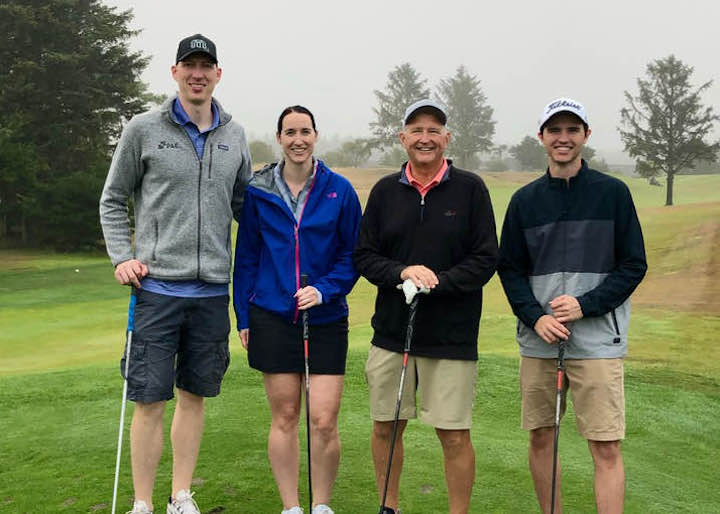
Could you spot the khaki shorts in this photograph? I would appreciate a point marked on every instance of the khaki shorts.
(596, 387)
(446, 389)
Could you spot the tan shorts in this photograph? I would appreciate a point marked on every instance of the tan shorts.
(445, 389)
(596, 387)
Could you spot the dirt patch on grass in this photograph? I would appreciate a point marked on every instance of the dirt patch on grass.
(691, 285)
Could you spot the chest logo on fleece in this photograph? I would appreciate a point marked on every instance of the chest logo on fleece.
(166, 144)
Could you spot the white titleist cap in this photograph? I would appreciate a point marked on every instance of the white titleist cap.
(426, 104)
(562, 105)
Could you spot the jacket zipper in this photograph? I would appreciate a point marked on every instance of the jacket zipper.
(617, 339)
(155, 223)
(192, 145)
(182, 129)
(210, 164)
(422, 208)
(297, 244)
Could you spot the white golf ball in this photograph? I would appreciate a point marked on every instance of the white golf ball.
(77, 270)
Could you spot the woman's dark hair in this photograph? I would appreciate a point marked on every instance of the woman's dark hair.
(295, 108)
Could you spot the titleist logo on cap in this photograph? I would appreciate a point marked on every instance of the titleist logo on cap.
(563, 103)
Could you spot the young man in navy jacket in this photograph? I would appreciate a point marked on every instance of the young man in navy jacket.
(571, 253)
(431, 228)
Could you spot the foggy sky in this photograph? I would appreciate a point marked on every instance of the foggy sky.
(330, 55)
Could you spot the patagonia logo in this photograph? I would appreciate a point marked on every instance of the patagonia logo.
(449, 213)
(223, 147)
(332, 195)
(167, 144)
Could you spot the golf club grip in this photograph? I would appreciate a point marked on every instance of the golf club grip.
(131, 309)
(411, 324)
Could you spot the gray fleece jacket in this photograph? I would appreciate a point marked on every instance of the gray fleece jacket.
(184, 206)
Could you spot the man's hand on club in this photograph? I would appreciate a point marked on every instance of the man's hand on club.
(420, 275)
(551, 330)
(131, 272)
(410, 289)
(566, 308)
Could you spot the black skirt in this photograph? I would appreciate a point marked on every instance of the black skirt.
(276, 345)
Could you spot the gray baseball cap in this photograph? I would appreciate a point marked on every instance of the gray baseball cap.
(429, 105)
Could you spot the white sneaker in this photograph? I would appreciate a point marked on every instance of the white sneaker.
(183, 503)
(293, 510)
(140, 507)
(322, 509)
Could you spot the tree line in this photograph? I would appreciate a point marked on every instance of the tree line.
(70, 82)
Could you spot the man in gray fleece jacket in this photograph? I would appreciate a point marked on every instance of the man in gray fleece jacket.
(185, 166)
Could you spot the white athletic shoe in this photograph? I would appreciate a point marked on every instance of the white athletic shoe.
(183, 503)
(322, 509)
(140, 507)
(294, 510)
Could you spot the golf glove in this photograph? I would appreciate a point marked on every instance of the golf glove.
(410, 289)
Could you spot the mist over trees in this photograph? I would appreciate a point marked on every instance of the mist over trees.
(261, 152)
(469, 117)
(665, 125)
(530, 154)
(69, 83)
(404, 86)
(469, 114)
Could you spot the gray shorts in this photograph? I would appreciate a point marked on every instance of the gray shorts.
(177, 341)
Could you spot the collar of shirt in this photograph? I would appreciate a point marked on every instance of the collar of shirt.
(294, 204)
(183, 119)
(423, 189)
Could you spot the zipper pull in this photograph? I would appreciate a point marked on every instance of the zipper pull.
(422, 208)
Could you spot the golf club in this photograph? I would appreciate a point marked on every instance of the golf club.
(558, 399)
(303, 283)
(406, 354)
(128, 344)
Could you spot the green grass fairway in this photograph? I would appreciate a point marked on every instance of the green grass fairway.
(58, 446)
(62, 323)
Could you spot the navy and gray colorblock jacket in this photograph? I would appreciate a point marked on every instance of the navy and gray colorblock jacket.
(579, 237)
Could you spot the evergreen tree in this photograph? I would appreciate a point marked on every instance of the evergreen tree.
(469, 117)
(71, 83)
(404, 87)
(530, 153)
(665, 124)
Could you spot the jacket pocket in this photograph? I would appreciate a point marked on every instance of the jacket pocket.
(617, 338)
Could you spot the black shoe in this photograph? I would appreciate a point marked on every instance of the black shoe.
(388, 510)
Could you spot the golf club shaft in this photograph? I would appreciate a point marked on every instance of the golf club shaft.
(406, 355)
(558, 400)
(128, 345)
(306, 351)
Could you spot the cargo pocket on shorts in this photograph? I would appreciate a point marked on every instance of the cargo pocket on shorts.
(138, 367)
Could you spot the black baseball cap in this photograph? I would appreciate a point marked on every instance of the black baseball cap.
(196, 44)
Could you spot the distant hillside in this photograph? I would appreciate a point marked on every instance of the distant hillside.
(682, 241)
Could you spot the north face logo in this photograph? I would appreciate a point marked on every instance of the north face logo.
(166, 144)
(198, 44)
